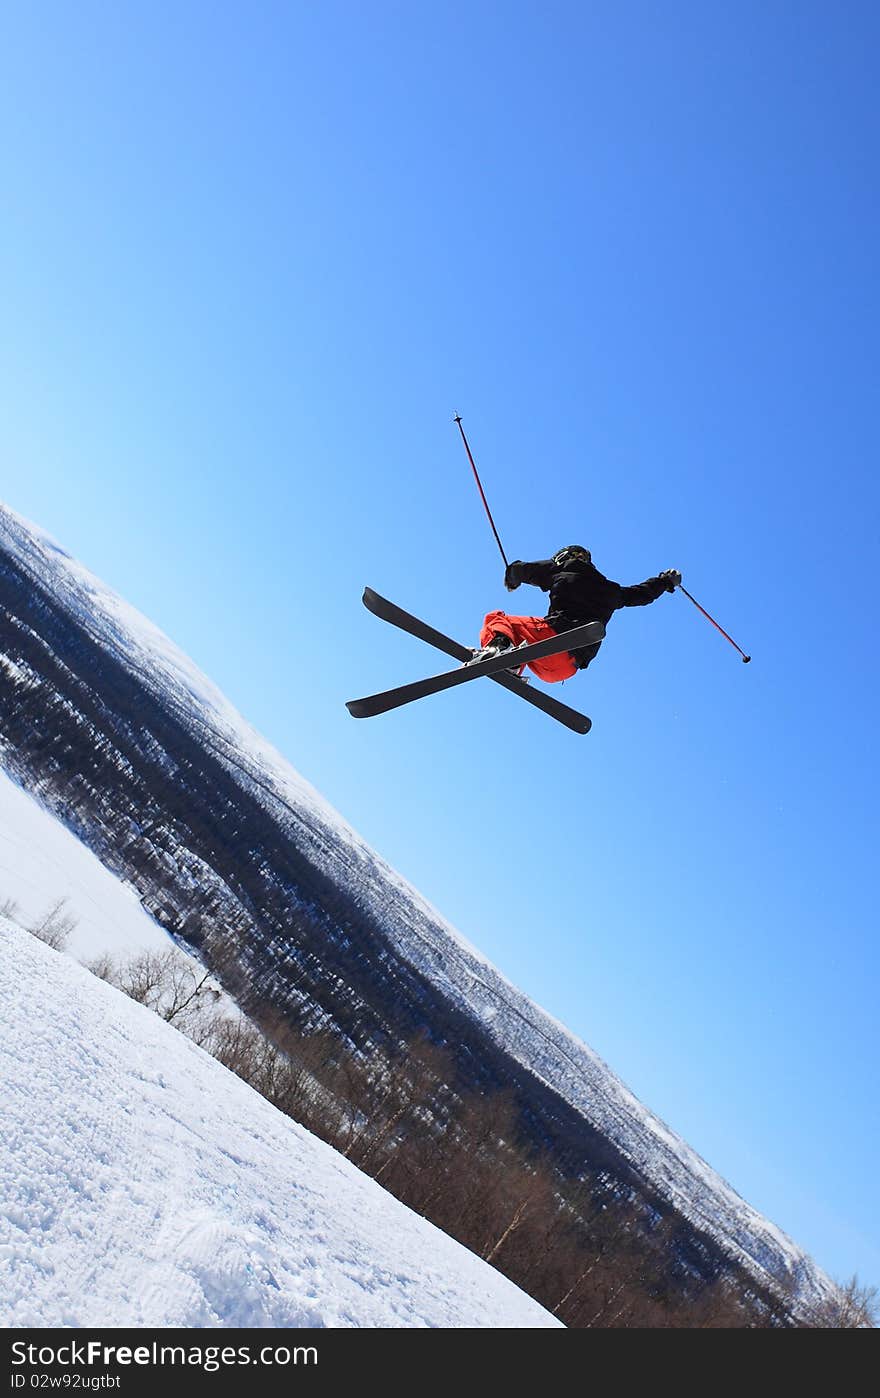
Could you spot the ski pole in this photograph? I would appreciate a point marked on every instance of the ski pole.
(746, 658)
(457, 419)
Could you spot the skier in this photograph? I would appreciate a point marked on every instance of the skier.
(579, 593)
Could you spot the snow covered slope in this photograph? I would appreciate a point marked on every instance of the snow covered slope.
(395, 954)
(142, 1184)
(42, 863)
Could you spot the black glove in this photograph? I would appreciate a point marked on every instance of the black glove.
(672, 578)
(512, 577)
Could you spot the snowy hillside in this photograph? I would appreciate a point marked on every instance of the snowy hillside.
(42, 863)
(252, 842)
(142, 1184)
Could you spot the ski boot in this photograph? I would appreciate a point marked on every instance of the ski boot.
(497, 646)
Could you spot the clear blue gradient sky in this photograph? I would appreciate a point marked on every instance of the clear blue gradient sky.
(252, 260)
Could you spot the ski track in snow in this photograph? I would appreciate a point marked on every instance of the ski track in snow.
(422, 935)
(142, 1184)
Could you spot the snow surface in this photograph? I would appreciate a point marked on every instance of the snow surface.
(42, 862)
(142, 1184)
(531, 1036)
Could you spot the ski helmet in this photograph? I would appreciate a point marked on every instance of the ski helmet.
(572, 553)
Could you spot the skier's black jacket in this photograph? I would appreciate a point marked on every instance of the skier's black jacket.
(580, 593)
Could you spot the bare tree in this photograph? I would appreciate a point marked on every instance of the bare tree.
(175, 987)
(55, 925)
(104, 967)
(853, 1307)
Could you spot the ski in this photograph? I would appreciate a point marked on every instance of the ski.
(497, 667)
(512, 659)
(539, 698)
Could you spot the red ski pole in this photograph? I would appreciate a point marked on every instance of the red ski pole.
(480, 488)
(746, 658)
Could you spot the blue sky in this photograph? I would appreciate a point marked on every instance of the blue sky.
(252, 261)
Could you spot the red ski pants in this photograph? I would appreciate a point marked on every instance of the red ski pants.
(552, 668)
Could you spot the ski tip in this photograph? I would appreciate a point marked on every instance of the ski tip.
(577, 723)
